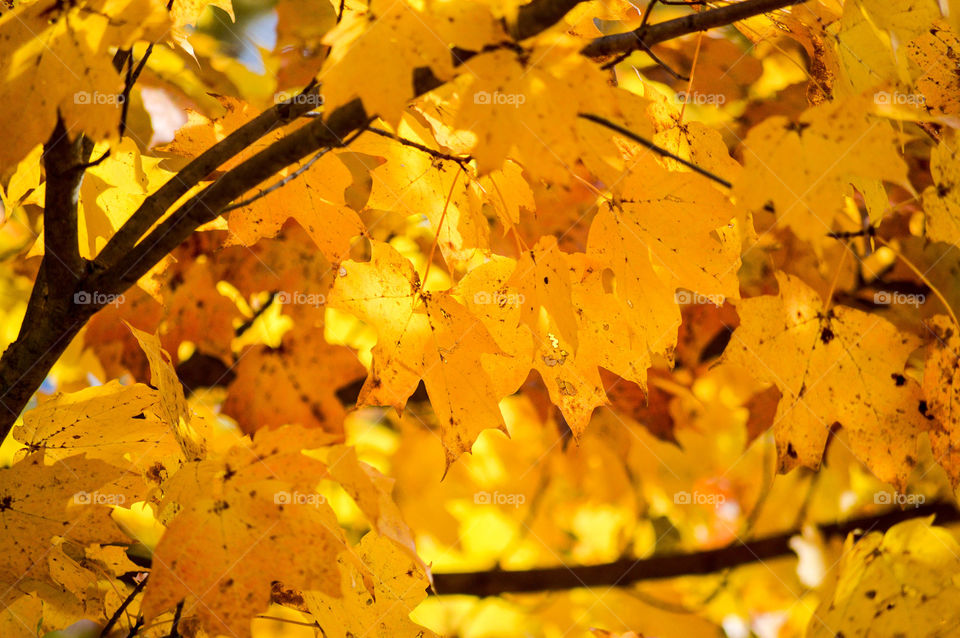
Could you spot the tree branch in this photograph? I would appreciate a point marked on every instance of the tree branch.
(539, 15)
(154, 206)
(303, 168)
(52, 318)
(626, 571)
(207, 204)
(63, 162)
(123, 606)
(651, 34)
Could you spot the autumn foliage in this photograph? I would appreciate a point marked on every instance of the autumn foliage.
(479, 318)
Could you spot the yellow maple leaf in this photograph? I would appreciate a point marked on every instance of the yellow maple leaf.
(295, 384)
(901, 583)
(425, 336)
(378, 594)
(667, 222)
(70, 498)
(239, 523)
(388, 42)
(941, 201)
(935, 52)
(508, 193)
(542, 280)
(371, 491)
(113, 423)
(525, 107)
(414, 183)
(803, 168)
(175, 409)
(529, 336)
(832, 365)
(625, 328)
(941, 385)
(870, 38)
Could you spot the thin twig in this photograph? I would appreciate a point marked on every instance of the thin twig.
(95, 162)
(174, 633)
(289, 178)
(869, 231)
(123, 606)
(136, 627)
(280, 184)
(131, 79)
(246, 325)
(420, 147)
(653, 147)
(128, 85)
(125, 95)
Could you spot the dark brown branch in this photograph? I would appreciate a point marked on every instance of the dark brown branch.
(126, 603)
(129, 81)
(154, 206)
(626, 571)
(131, 78)
(174, 633)
(207, 204)
(539, 15)
(43, 338)
(52, 318)
(652, 34)
(63, 162)
(289, 178)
